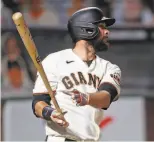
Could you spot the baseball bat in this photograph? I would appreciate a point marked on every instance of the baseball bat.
(32, 50)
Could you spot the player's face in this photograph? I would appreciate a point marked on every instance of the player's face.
(104, 33)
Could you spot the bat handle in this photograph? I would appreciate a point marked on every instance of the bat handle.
(58, 109)
(55, 102)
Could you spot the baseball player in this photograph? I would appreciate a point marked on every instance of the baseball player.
(84, 84)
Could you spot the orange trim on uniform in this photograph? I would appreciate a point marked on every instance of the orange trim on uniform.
(40, 93)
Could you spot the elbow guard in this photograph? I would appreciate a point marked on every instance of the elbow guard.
(37, 98)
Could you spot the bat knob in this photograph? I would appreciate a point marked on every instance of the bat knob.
(17, 16)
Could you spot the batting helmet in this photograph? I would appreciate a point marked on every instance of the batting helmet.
(83, 25)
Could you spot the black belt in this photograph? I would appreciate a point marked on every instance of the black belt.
(69, 140)
(65, 139)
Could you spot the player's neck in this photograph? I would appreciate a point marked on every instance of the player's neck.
(84, 51)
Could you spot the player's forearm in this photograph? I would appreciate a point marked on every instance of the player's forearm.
(39, 102)
(99, 99)
(39, 107)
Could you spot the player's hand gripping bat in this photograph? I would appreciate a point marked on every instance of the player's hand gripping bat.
(32, 50)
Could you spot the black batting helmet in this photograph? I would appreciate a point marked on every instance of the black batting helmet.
(83, 25)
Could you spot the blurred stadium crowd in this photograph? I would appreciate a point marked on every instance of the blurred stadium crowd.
(55, 13)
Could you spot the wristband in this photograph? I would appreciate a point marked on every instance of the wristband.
(46, 112)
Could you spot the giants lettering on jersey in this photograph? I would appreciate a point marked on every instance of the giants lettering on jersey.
(79, 78)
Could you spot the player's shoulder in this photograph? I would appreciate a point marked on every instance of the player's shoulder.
(109, 65)
(57, 55)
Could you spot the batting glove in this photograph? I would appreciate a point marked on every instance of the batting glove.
(58, 118)
(50, 113)
(79, 98)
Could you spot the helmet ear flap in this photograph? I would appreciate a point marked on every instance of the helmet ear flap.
(82, 30)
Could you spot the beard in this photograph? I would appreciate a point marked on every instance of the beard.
(101, 44)
(106, 42)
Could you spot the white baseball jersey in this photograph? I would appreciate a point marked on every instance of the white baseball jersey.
(66, 71)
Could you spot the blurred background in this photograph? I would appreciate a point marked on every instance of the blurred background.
(132, 39)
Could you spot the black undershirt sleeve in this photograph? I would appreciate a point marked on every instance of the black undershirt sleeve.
(109, 88)
(43, 97)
